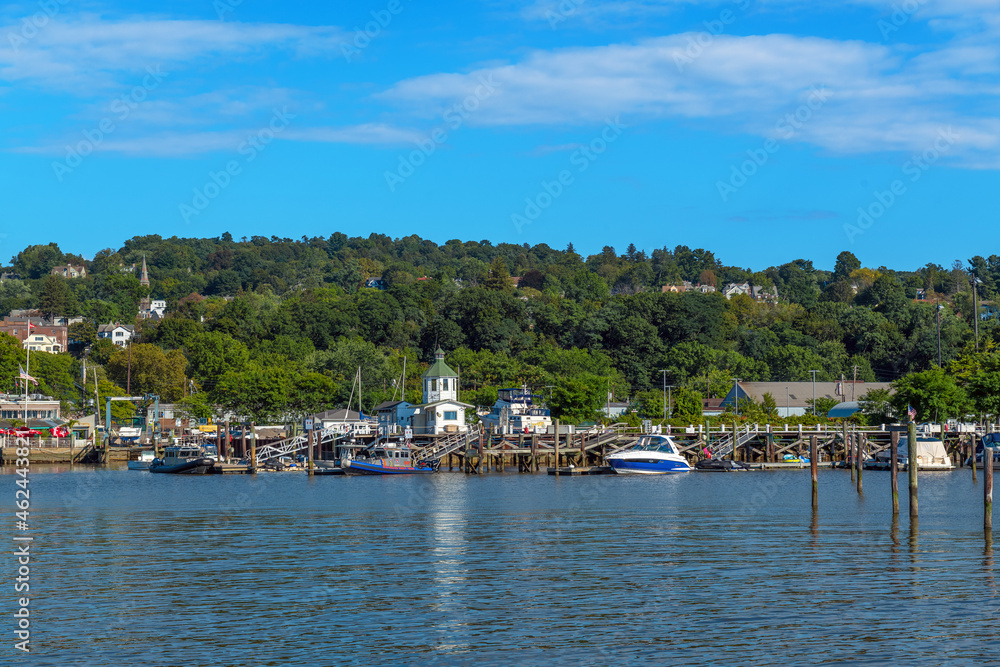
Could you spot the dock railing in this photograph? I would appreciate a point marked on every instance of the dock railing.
(448, 445)
(295, 444)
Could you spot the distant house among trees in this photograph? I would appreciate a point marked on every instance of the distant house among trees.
(69, 271)
(755, 292)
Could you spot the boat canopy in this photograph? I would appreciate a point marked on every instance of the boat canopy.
(844, 410)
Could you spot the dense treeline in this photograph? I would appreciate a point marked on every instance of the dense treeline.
(269, 326)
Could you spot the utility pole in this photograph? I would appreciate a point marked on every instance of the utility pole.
(664, 392)
(128, 378)
(670, 404)
(939, 309)
(855, 383)
(975, 306)
(814, 391)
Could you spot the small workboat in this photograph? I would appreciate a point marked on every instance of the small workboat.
(385, 459)
(651, 455)
(720, 465)
(146, 458)
(183, 460)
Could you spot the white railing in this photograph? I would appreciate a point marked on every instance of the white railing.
(295, 444)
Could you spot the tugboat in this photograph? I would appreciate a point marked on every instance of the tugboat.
(651, 455)
(183, 460)
(386, 459)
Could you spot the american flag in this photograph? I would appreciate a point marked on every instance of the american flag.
(912, 412)
(25, 376)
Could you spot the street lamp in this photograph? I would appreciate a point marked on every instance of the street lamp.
(670, 404)
(939, 309)
(814, 391)
(664, 392)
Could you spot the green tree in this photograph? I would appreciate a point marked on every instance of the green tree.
(197, 406)
(846, 264)
(257, 393)
(933, 393)
(11, 357)
(311, 393)
(577, 399)
(38, 260)
(876, 406)
(498, 278)
(55, 297)
(147, 369)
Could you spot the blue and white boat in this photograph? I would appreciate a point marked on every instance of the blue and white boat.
(651, 455)
(385, 459)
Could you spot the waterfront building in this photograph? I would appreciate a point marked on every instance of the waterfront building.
(441, 411)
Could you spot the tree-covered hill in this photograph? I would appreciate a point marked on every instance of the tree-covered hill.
(271, 325)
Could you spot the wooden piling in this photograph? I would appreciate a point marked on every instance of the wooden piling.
(988, 488)
(894, 471)
(253, 446)
(849, 450)
(814, 469)
(972, 458)
(859, 440)
(556, 446)
(583, 449)
(534, 450)
(224, 445)
(309, 443)
(243, 447)
(479, 460)
(912, 466)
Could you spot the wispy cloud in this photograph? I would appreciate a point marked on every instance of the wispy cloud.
(86, 54)
(193, 143)
(882, 97)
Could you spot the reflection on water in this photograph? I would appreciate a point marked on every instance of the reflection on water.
(504, 569)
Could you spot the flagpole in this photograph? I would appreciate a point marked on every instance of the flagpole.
(27, 371)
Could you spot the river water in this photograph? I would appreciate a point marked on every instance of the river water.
(726, 569)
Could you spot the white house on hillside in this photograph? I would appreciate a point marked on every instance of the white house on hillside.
(120, 334)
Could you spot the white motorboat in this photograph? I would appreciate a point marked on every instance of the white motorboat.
(651, 455)
(931, 455)
(517, 410)
(146, 457)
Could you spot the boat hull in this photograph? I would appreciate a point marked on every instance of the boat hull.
(362, 468)
(196, 467)
(647, 466)
(720, 465)
(902, 466)
(138, 465)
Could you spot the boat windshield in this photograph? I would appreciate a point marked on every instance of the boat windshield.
(656, 444)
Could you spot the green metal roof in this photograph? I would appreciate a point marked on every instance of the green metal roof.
(439, 369)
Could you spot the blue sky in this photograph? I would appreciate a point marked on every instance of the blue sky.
(759, 129)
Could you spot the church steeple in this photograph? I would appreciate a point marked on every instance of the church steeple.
(144, 281)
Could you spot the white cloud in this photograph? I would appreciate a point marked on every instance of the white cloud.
(86, 53)
(881, 98)
(186, 144)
